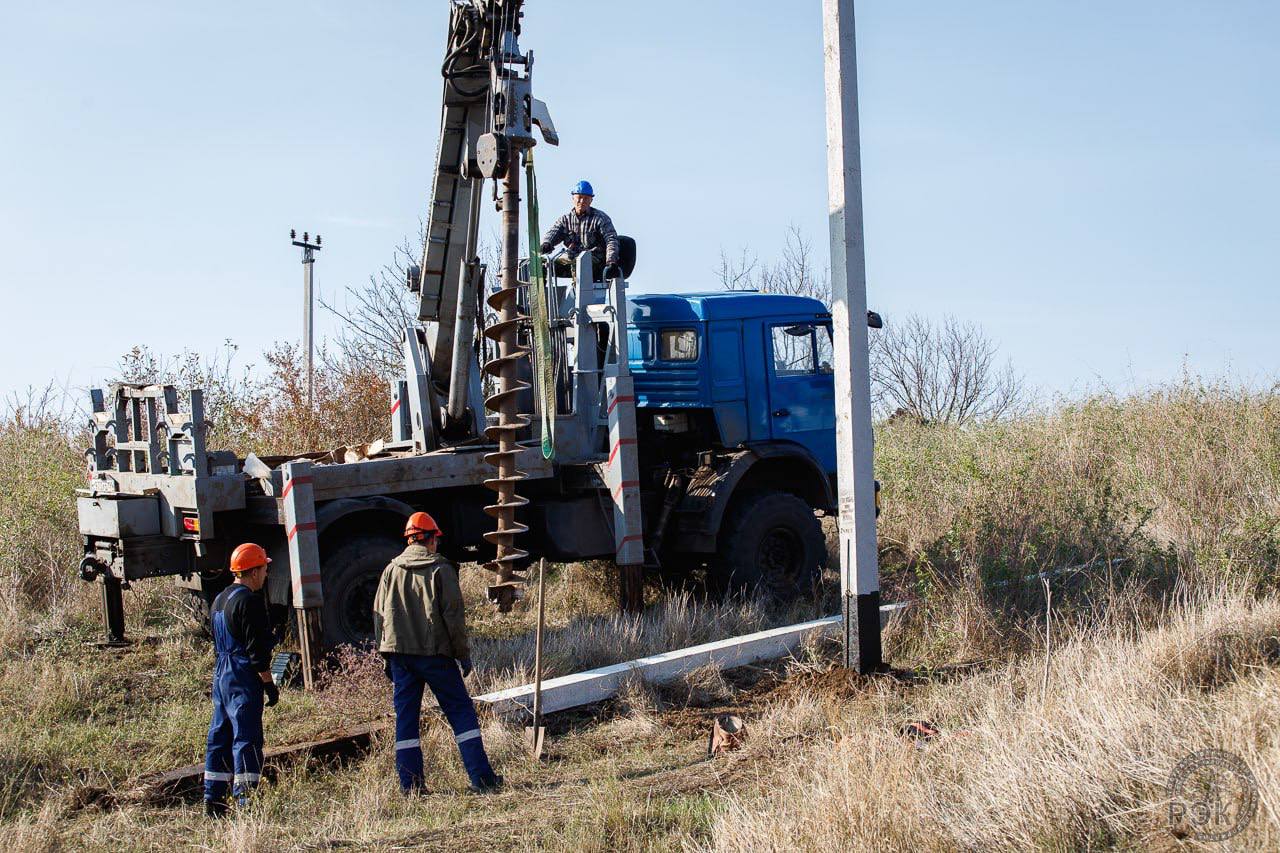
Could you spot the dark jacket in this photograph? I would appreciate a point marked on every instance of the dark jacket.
(247, 621)
(592, 232)
(418, 608)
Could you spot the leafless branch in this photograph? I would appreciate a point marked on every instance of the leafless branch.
(941, 373)
(794, 273)
(374, 315)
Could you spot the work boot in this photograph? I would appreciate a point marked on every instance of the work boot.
(215, 808)
(488, 785)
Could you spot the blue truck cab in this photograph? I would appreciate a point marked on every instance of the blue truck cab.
(735, 411)
(745, 367)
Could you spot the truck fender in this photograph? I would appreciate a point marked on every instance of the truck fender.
(813, 484)
(327, 516)
(333, 511)
(776, 466)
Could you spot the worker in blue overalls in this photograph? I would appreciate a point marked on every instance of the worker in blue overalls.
(420, 628)
(242, 639)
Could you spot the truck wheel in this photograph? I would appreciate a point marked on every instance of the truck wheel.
(773, 542)
(194, 610)
(351, 574)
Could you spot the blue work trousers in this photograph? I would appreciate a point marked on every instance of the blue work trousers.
(410, 673)
(234, 750)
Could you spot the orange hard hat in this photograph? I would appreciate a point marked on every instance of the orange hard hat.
(247, 557)
(421, 523)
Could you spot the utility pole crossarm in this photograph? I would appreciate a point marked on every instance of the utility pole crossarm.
(859, 572)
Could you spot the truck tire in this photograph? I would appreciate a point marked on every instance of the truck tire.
(771, 542)
(194, 614)
(351, 574)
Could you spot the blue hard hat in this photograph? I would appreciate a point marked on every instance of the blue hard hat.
(582, 188)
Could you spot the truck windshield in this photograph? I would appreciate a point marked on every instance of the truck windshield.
(678, 345)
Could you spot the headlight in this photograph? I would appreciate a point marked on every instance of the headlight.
(671, 422)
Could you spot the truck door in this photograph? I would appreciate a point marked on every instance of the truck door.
(802, 386)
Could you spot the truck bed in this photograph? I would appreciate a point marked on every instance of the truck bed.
(438, 469)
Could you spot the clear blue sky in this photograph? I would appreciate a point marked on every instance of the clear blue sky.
(1094, 182)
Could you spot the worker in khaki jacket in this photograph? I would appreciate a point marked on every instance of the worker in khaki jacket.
(420, 628)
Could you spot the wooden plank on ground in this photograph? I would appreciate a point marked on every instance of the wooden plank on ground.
(189, 781)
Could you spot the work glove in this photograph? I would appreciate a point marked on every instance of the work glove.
(386, 668)
(545, 248)
(271, 692)
(612, 271)
(465, 663)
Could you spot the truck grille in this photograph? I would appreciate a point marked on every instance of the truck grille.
(667, 385)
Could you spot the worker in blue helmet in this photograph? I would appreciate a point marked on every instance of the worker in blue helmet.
(586, 229)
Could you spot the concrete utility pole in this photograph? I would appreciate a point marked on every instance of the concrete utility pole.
(859, 572)
(308, 326)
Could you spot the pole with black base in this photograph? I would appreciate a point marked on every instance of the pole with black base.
(859, 572)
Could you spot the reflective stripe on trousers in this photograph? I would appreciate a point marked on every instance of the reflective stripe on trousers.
(410, 673)
(234, 748)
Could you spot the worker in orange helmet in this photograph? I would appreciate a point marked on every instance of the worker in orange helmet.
(420, 627)
(242, 684)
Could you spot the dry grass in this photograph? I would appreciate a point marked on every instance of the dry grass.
(584, 632)
(1083, 766)
(39, 548)
(1191, 468)
(1165, 644)
(1176, 486)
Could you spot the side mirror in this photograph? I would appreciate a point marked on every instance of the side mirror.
(874, 321)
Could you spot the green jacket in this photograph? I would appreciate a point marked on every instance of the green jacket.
(418, 609)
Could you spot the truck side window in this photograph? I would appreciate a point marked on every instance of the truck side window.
(639, 345)
(794, 352)
(678, 345)
(826, 350)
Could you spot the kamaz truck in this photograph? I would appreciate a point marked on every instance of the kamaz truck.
(734, 453)
(542, 413)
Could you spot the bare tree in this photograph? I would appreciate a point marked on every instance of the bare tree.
(375, 314)
(941, 373)
(944, 373)
(794, 273)
(738, 273)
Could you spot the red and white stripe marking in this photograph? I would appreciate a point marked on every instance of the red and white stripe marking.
(298, 502)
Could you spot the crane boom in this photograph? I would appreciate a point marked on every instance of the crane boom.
(488, 115)
(485, 95)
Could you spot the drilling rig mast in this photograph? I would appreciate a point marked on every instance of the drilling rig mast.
(489, 114)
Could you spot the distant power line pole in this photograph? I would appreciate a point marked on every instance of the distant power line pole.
(309, 250)
(859, 572)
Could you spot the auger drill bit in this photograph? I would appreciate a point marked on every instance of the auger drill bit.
(505, 369)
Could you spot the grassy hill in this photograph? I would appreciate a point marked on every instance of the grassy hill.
(1062, 708)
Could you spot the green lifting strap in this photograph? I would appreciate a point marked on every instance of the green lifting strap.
(543, 367)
